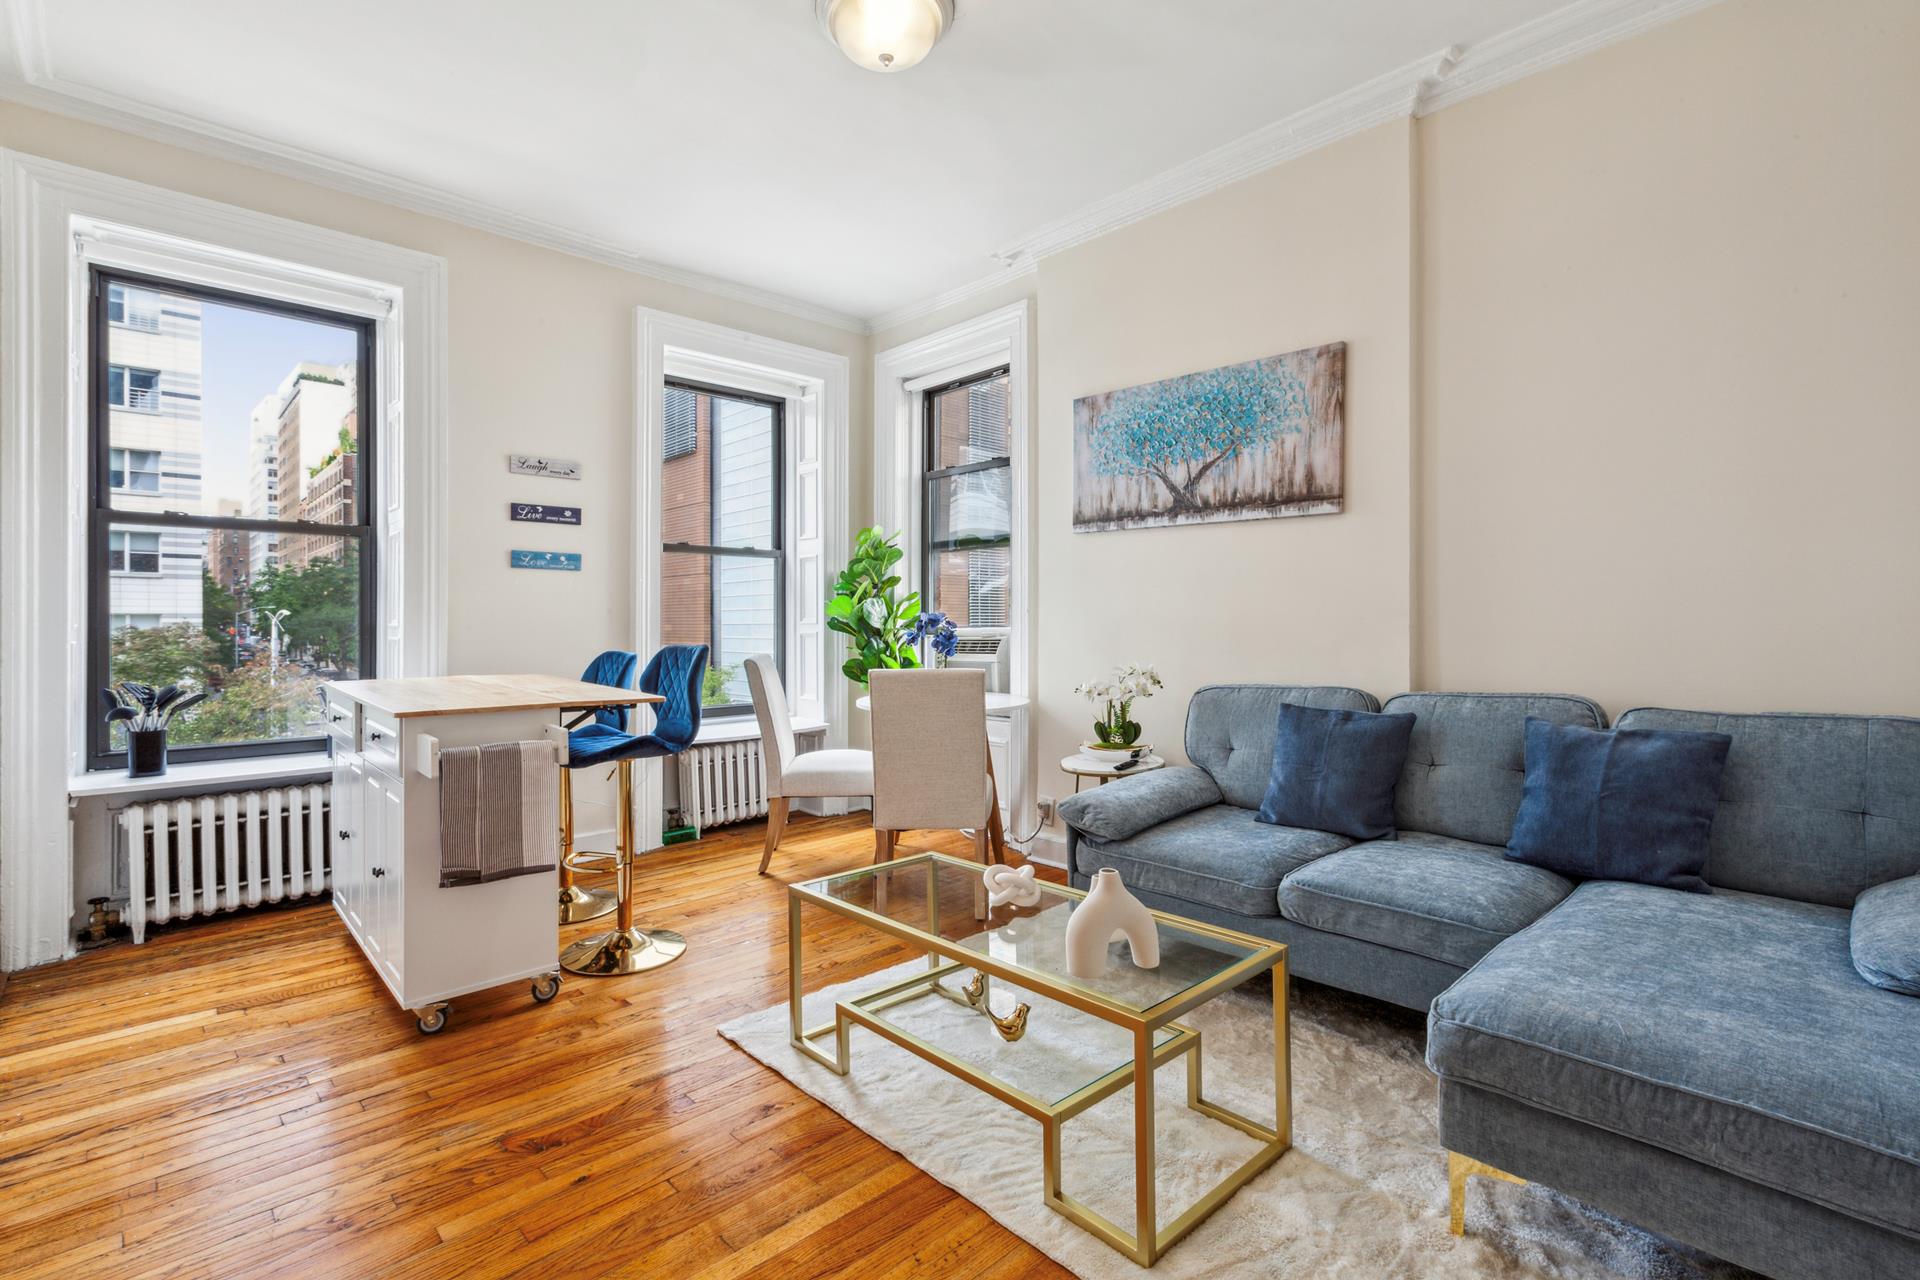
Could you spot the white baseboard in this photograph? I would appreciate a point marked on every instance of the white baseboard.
(1048, 851)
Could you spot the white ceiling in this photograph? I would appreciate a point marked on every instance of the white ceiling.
(727, 137)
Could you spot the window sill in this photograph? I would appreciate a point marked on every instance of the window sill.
(214, 775)
(746, 729)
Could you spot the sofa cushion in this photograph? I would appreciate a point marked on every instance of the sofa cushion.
(1729, 1029)
(1467, 760)
(1620, 804)
(1218, 856)
(1128, 806)
(1885, 937)
(1335, 770)
(1815, 807)
(1449, 900)
(1230, 730)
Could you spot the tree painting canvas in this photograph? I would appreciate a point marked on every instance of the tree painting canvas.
(1242, 442)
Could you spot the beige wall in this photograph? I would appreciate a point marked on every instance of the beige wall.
(1632, 418)
(1629, 409)
(540, 359)
(1669, 323)
(1316, 251)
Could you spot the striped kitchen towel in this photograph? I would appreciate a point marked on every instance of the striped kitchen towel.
(499, 811)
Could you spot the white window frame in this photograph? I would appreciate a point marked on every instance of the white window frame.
(57, 221)
(815, 387)
(901, 376)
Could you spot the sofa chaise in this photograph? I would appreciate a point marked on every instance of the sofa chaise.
(1708, 1065)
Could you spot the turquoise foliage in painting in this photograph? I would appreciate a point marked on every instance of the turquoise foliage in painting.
(1178, 431)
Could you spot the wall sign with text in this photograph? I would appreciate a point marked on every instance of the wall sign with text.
(537, 513)
(528, 464)
(568, 560)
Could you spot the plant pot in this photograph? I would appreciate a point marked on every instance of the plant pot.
(146, 753)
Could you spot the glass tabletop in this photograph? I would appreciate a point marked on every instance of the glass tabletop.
(944, 898)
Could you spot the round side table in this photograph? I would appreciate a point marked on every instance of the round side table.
(1081, 767)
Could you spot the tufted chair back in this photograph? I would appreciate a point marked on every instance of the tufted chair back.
(676, 673)
(615, 668)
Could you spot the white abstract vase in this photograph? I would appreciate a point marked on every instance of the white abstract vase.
(1109, 913)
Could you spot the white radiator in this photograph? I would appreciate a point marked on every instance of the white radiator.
(202, 854)
(723, 782)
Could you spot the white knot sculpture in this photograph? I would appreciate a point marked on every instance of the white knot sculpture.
(1007, 884)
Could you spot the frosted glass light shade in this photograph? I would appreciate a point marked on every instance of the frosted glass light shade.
(886, 35)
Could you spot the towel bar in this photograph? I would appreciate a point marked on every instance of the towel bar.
(427, 760)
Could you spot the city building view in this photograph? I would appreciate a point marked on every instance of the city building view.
(253, 617)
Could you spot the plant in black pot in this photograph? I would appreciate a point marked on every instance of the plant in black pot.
(146, 712)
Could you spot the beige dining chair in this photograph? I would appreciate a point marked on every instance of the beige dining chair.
(816, 774)
(930, 766)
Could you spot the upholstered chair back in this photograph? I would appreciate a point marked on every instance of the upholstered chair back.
(776, 725)
(929, 749)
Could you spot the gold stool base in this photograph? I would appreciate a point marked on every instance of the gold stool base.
(578, 904)
(623, 951)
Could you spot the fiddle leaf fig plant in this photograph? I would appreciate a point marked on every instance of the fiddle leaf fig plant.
(865, 608)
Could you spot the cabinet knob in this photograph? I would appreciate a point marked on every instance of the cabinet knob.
(379, 871)
(375, 734)
(344, 835)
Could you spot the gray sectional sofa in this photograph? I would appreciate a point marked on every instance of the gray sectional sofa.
(1710, 1066)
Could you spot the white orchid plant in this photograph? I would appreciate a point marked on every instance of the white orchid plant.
(1116, 695)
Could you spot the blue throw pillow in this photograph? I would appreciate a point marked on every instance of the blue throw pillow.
(1622, 804)
(1886, 935)
(1336, 771)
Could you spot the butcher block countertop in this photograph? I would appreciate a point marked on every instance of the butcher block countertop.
(470, 695)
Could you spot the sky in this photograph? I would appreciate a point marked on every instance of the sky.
(244, 355)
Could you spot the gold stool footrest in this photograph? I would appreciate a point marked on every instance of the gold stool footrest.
(591, 860)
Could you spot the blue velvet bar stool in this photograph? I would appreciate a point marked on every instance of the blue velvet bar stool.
(577, 902)
(676, 674)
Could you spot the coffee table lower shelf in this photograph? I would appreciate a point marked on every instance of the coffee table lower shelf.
(1147, 1241)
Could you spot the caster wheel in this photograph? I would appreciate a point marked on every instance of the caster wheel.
(434, 1023)
(545, 989)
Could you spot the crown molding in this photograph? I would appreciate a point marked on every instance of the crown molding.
(1418, 89)
(1392, 96)
(1560, 36)
(952, 297)
(35, 84)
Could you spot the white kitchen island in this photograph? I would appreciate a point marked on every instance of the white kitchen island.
(430, 944)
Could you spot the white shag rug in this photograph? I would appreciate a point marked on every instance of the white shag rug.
(1362, 1193)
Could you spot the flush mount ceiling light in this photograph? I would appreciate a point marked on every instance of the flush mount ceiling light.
(885, 35)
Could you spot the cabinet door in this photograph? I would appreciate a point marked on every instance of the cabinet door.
(373, 855)
(342, 849)
(391, 820)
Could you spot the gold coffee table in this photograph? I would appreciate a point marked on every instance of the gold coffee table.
(937, 904)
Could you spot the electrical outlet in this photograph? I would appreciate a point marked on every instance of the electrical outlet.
(1046, 811)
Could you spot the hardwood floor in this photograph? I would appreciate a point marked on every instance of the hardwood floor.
(242, 1097)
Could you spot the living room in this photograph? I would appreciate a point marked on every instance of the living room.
(1401, 512)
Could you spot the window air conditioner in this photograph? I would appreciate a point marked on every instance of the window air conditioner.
(983, 649)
